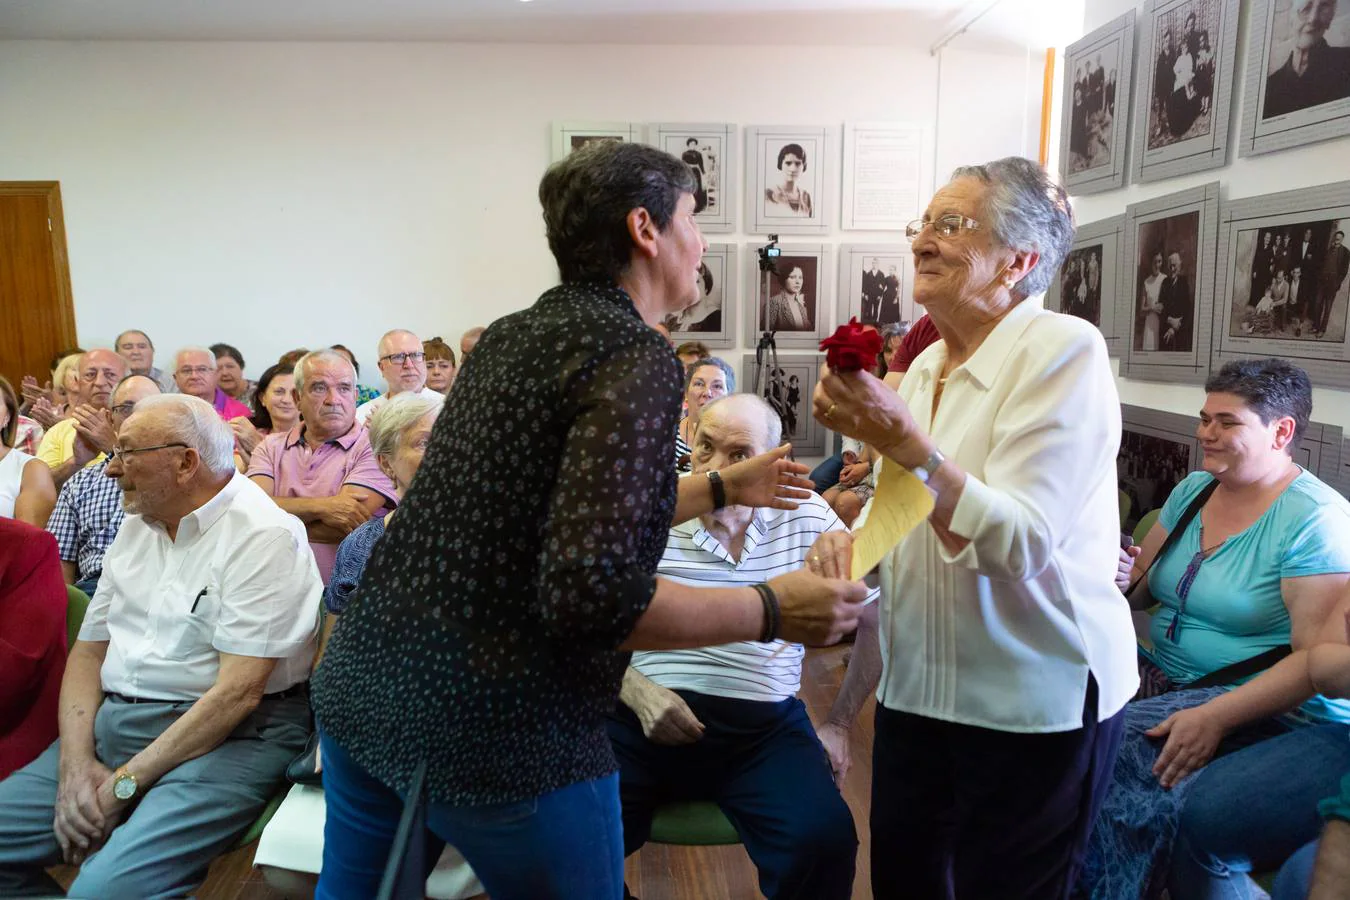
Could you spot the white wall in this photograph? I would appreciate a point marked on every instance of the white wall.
(275, 195)
(1248, 177)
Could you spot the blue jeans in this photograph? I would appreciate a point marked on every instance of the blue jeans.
(826, 475)
(562, 845)
(1251, 810)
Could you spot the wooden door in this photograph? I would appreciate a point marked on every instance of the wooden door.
(37, 313)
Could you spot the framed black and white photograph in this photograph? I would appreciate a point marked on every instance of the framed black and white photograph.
(569, 136)
(793, 302)
(1087, 283)
(791, 178)
(1096, 108)
(874, 284)
(1157, 450)
(712, 319)
(1185, 83)
(707, 150)
(1298, 74)
(1320, 452)
(787, 381)
(886, 165)
(1284, 288)
(1169, 276)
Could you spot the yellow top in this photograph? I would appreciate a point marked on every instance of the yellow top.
(58, 444)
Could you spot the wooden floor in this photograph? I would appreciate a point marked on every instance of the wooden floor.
(658, 871)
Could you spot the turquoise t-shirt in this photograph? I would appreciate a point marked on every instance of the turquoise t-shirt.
(1234, 609)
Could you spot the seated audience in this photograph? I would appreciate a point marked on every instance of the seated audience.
(703, 383)
(230, 374)
(323, 470)
(185, 695)
(399, 433)
(87, 435)
(691, 352)
(139, 352)
(857, 482)
(26, 489)
(1258, 567)
(364, 393)
(440, 366)
(51, 404)
(33, 646)
(468, 341)
(274, 410)
(723, 723)
(88, 511)
(196, 375)
(403, 363)
(1258, 808)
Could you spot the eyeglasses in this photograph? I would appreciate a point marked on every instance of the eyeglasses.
(122, 409)
(1184, 589)
(121, 453)
(195, 370)
(945, 226)
(399, 359)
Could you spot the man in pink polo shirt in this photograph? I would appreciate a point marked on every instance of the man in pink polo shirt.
(322, 471)
(194, 372)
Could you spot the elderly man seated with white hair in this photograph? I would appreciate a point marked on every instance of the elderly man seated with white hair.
(186, 694)
(196, 374)
(403, 363)
(723, 723)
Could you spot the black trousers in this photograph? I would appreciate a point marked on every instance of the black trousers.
(973, 813)
(763, 764)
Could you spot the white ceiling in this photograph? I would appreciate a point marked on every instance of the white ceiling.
(1035, 23)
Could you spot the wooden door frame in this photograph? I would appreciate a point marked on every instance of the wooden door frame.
(51, 190)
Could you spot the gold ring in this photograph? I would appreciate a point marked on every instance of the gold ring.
(829, 413)
(813, 558)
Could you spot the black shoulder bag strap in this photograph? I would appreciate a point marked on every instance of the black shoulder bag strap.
(1172, 537)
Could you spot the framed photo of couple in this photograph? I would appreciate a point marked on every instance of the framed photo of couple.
(1087, 284)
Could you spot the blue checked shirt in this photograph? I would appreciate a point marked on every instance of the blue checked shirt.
(86, 518)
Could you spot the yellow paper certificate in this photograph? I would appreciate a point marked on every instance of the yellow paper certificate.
(901, 503)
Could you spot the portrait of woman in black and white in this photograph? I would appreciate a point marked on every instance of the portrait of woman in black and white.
(790, 196)
(789, 308)
(705, 315)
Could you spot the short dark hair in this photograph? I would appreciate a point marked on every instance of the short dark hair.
(341, 348)
(261, 418)
(716, 363)
(796, 150)
(1339, 234)
(692, 140)
(219, 350)
(586, 199)
(1271, 388)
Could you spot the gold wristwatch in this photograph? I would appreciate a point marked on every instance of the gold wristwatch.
(124, 784)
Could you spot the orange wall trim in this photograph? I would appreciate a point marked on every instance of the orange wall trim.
(1047, 97)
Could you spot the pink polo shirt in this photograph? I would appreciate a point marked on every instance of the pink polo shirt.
(297, 470)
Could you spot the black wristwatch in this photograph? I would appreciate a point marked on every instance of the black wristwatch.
(719, 490)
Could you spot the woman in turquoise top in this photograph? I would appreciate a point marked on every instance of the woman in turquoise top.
(1262, 565)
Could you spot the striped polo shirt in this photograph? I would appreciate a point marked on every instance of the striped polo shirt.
(776, 542)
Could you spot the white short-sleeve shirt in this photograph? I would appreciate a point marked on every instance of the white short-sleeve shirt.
(1003, 634)
(239, 578)
(368, 409)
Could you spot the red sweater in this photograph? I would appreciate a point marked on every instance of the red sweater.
(923, 333)
(32, 642)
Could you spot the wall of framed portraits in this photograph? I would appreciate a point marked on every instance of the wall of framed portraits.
(326, 192)
(1281, 200)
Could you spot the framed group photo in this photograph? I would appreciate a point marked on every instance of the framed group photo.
(1096, 108)
(791, 178)
(1285, 281)
(1157, 450)
(712, 319)
(1169, 280)
(786, 382)
(1298, 74)
(1087, 283)
(707, 150)
(793, 301)
(872, 282)
(1185, 83)
(569, 136)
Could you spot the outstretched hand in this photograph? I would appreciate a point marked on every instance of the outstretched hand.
(770, 479)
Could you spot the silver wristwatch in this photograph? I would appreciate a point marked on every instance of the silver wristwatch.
(925, 471)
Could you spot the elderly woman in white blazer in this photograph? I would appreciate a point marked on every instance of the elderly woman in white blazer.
(1007, 646)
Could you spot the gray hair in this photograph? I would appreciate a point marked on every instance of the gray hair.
(1027, 211)
(773, 424)
(712, 361)
(193, 421)
(329, 356)
(389, 422)
(203, 350)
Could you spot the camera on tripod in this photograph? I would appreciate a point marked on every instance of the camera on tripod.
(768, 256)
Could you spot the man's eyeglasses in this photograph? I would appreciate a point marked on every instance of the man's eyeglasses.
(121, 453)
(399, 359)
(195, 370)
(945, 226)
(122, 409)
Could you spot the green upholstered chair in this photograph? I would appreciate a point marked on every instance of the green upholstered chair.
(1125, 504)
(256, 829)
(76, 603)
(1145, 525)
(698, 823)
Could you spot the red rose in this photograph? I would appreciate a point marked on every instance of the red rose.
(852, 347)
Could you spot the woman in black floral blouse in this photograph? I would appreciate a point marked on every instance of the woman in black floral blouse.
(487, 640)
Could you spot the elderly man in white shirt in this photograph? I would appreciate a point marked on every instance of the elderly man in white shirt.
(1009, 650)
(403, 363)
(185, 696)
(724, 723)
